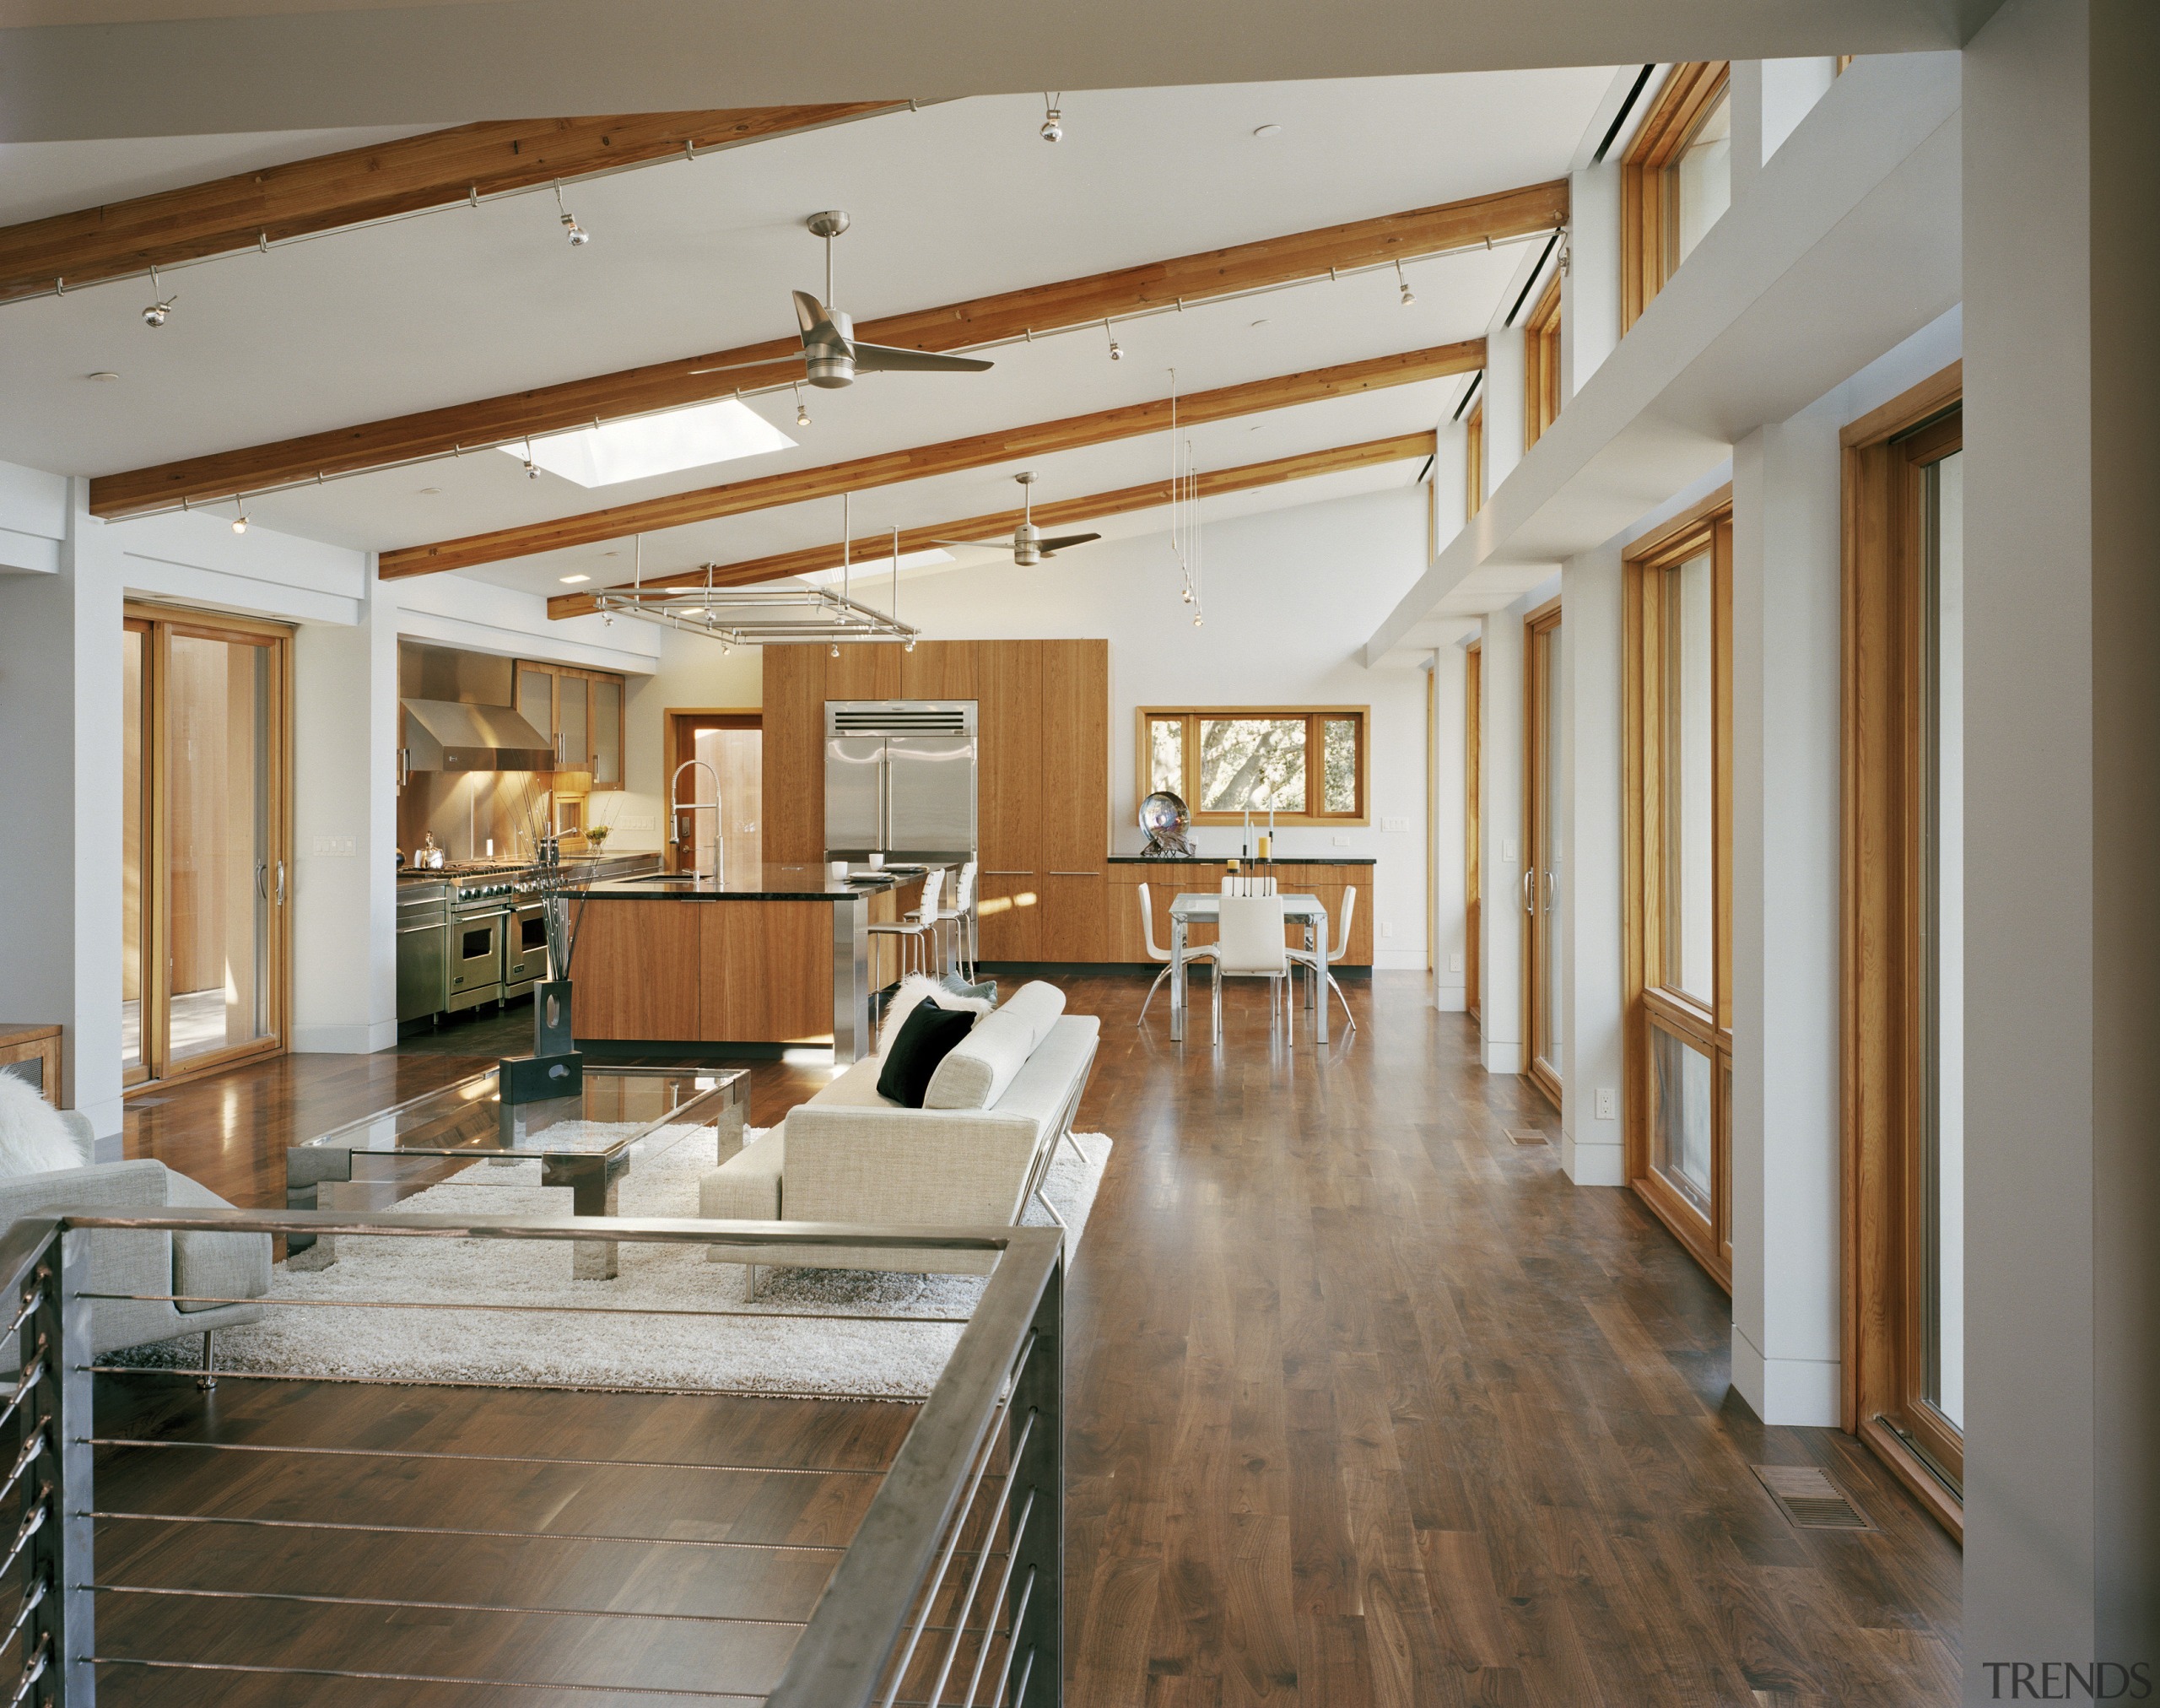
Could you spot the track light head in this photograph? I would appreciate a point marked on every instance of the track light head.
(157, 314)
(239, 522)
(910, 645)
(1408, 298)
(835, 651)
(577, 234)
(607, 619)
(1196, 620)
(802, 414)
(1053, 129)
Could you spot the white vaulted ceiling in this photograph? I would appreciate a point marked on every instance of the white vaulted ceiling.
(955, 201)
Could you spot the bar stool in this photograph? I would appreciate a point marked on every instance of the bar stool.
(1249, 943)
(961, 916)
(917, 933)
(1318, 961)
(1206, 952)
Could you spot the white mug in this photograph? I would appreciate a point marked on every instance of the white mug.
(839, 869)
(877, 862)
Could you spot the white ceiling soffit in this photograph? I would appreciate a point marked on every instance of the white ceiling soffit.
(75, 68)
(1848, 243)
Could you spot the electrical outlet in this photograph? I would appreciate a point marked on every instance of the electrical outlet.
(1342, 841)
(335, 847)
(642, 822)
(1454, 963)
(1509, 851)
(1387, 928)
(1395, 823)
(1608, 1104)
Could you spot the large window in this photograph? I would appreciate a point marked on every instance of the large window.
(1541, 338)
(1904, 980)
(1675, 182)
(1306, 764)
(1473, 462)
(1678, 802)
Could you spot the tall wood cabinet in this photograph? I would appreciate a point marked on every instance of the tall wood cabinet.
(582, 712)
(1075, 796)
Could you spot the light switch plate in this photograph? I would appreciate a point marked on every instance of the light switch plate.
(1395, 823)
(1454, 963)
(337, 848)
(1608, 1104)
(642, 822)
(1342, 841)
(1509, 850)
(1387, 928)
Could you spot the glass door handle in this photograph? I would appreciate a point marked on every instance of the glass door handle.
(1529, 890)
(281, 884)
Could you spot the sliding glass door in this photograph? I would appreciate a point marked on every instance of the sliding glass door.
(1541, 829)
(206, 872)
(1473, 674)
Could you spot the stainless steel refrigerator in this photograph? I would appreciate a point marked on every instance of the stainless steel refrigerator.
(900, 779)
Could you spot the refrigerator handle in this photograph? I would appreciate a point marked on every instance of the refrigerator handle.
(885, 800)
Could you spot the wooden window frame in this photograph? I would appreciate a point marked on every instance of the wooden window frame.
(159, 624)
(1538, 626)
(1649, 191)
(1649, 1003)
(1473, 461)
(1540, 341)
(1882, 1072)
(1473, 676)
(1313, 716)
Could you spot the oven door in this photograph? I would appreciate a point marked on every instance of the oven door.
(525, 954)
(476, 955)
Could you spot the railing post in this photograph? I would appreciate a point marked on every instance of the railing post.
(1036, 1595)
(59, 1404)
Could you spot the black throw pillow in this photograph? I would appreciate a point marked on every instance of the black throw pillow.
(926, 1037)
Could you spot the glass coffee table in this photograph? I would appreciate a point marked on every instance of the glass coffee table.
(582, 1141)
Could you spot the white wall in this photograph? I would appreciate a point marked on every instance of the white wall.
(692, 674)
(1450, 946)
(1590, 1150)
(1499, 835)
(1286, 593)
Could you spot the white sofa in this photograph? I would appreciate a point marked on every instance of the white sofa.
(143, 1261)
(994, 1113)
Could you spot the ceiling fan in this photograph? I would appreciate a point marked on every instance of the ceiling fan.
(1027, 546)
(832, 354)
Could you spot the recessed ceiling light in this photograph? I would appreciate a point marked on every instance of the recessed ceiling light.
(651, 444)
(1268, 131)
(1262, 321)
(429, 491)
(572, 581)
(102, 374)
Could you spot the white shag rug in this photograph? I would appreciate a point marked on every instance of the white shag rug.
(785, 1348)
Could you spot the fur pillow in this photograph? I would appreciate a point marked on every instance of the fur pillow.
(33, 1138)
(913, 989)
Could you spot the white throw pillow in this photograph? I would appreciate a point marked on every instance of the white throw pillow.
(33, 1138)
(976, 1070)
(916, 988)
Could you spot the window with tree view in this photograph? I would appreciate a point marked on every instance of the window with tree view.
(1299, 763)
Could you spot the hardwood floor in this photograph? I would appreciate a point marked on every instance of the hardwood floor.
(1367, 1404)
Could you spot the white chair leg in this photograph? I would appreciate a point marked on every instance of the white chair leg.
(1349, 1019)
(750, 1286)
(1150, 997)
(1218, 1001)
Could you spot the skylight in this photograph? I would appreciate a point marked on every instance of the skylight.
(651, 444)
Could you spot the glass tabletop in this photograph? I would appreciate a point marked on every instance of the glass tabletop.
(615, 1107)
(1208, 904)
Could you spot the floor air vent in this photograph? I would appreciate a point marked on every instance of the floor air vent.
(1525, 1135)
(1809, 1499)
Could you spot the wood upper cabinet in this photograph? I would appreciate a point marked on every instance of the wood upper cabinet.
(794, 742)
(863, 671)
(581, 711)
(939, 670)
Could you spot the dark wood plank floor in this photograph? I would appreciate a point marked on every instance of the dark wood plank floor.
(1367, 1403)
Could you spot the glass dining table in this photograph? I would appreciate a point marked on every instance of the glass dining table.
(1204, 907)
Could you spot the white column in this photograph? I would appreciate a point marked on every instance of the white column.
(345, 732)
(60, 706)
(1590, 1150)
(2062, 746)
(1499, 829)
(1590, 289)
(1786, 669)
(1505, 376)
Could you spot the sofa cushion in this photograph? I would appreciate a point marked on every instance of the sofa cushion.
(926, 1037)
(857, 1088)
(208, 1268)
(1040, 1003)
(913, 990)
(975, 1074)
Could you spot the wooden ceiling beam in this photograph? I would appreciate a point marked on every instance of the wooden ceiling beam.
(1041, 308)
(889, 468)
(323, 193)
(1402, 447)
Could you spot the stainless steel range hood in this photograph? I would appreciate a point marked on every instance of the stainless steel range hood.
(449, 735)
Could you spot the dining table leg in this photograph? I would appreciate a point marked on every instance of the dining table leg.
(1177, 979)
(1316, 980)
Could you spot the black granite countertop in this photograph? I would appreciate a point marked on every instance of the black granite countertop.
(767, 883)
(1223, 859)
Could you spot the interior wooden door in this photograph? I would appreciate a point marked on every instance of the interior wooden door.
(1009, 792)
(1076, 713)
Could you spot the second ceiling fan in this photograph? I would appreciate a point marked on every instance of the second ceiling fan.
(1027, 546)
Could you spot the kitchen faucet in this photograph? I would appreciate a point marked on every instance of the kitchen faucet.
(677, 806)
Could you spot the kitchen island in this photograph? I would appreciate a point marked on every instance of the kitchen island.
(694, 968)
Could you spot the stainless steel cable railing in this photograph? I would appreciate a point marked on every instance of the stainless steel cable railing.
(948, 1593)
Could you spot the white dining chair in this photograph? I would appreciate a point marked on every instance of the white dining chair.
(1205, 952)
(1246, 884)
(1320, 959)
(917, 932)
(1250, 945)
